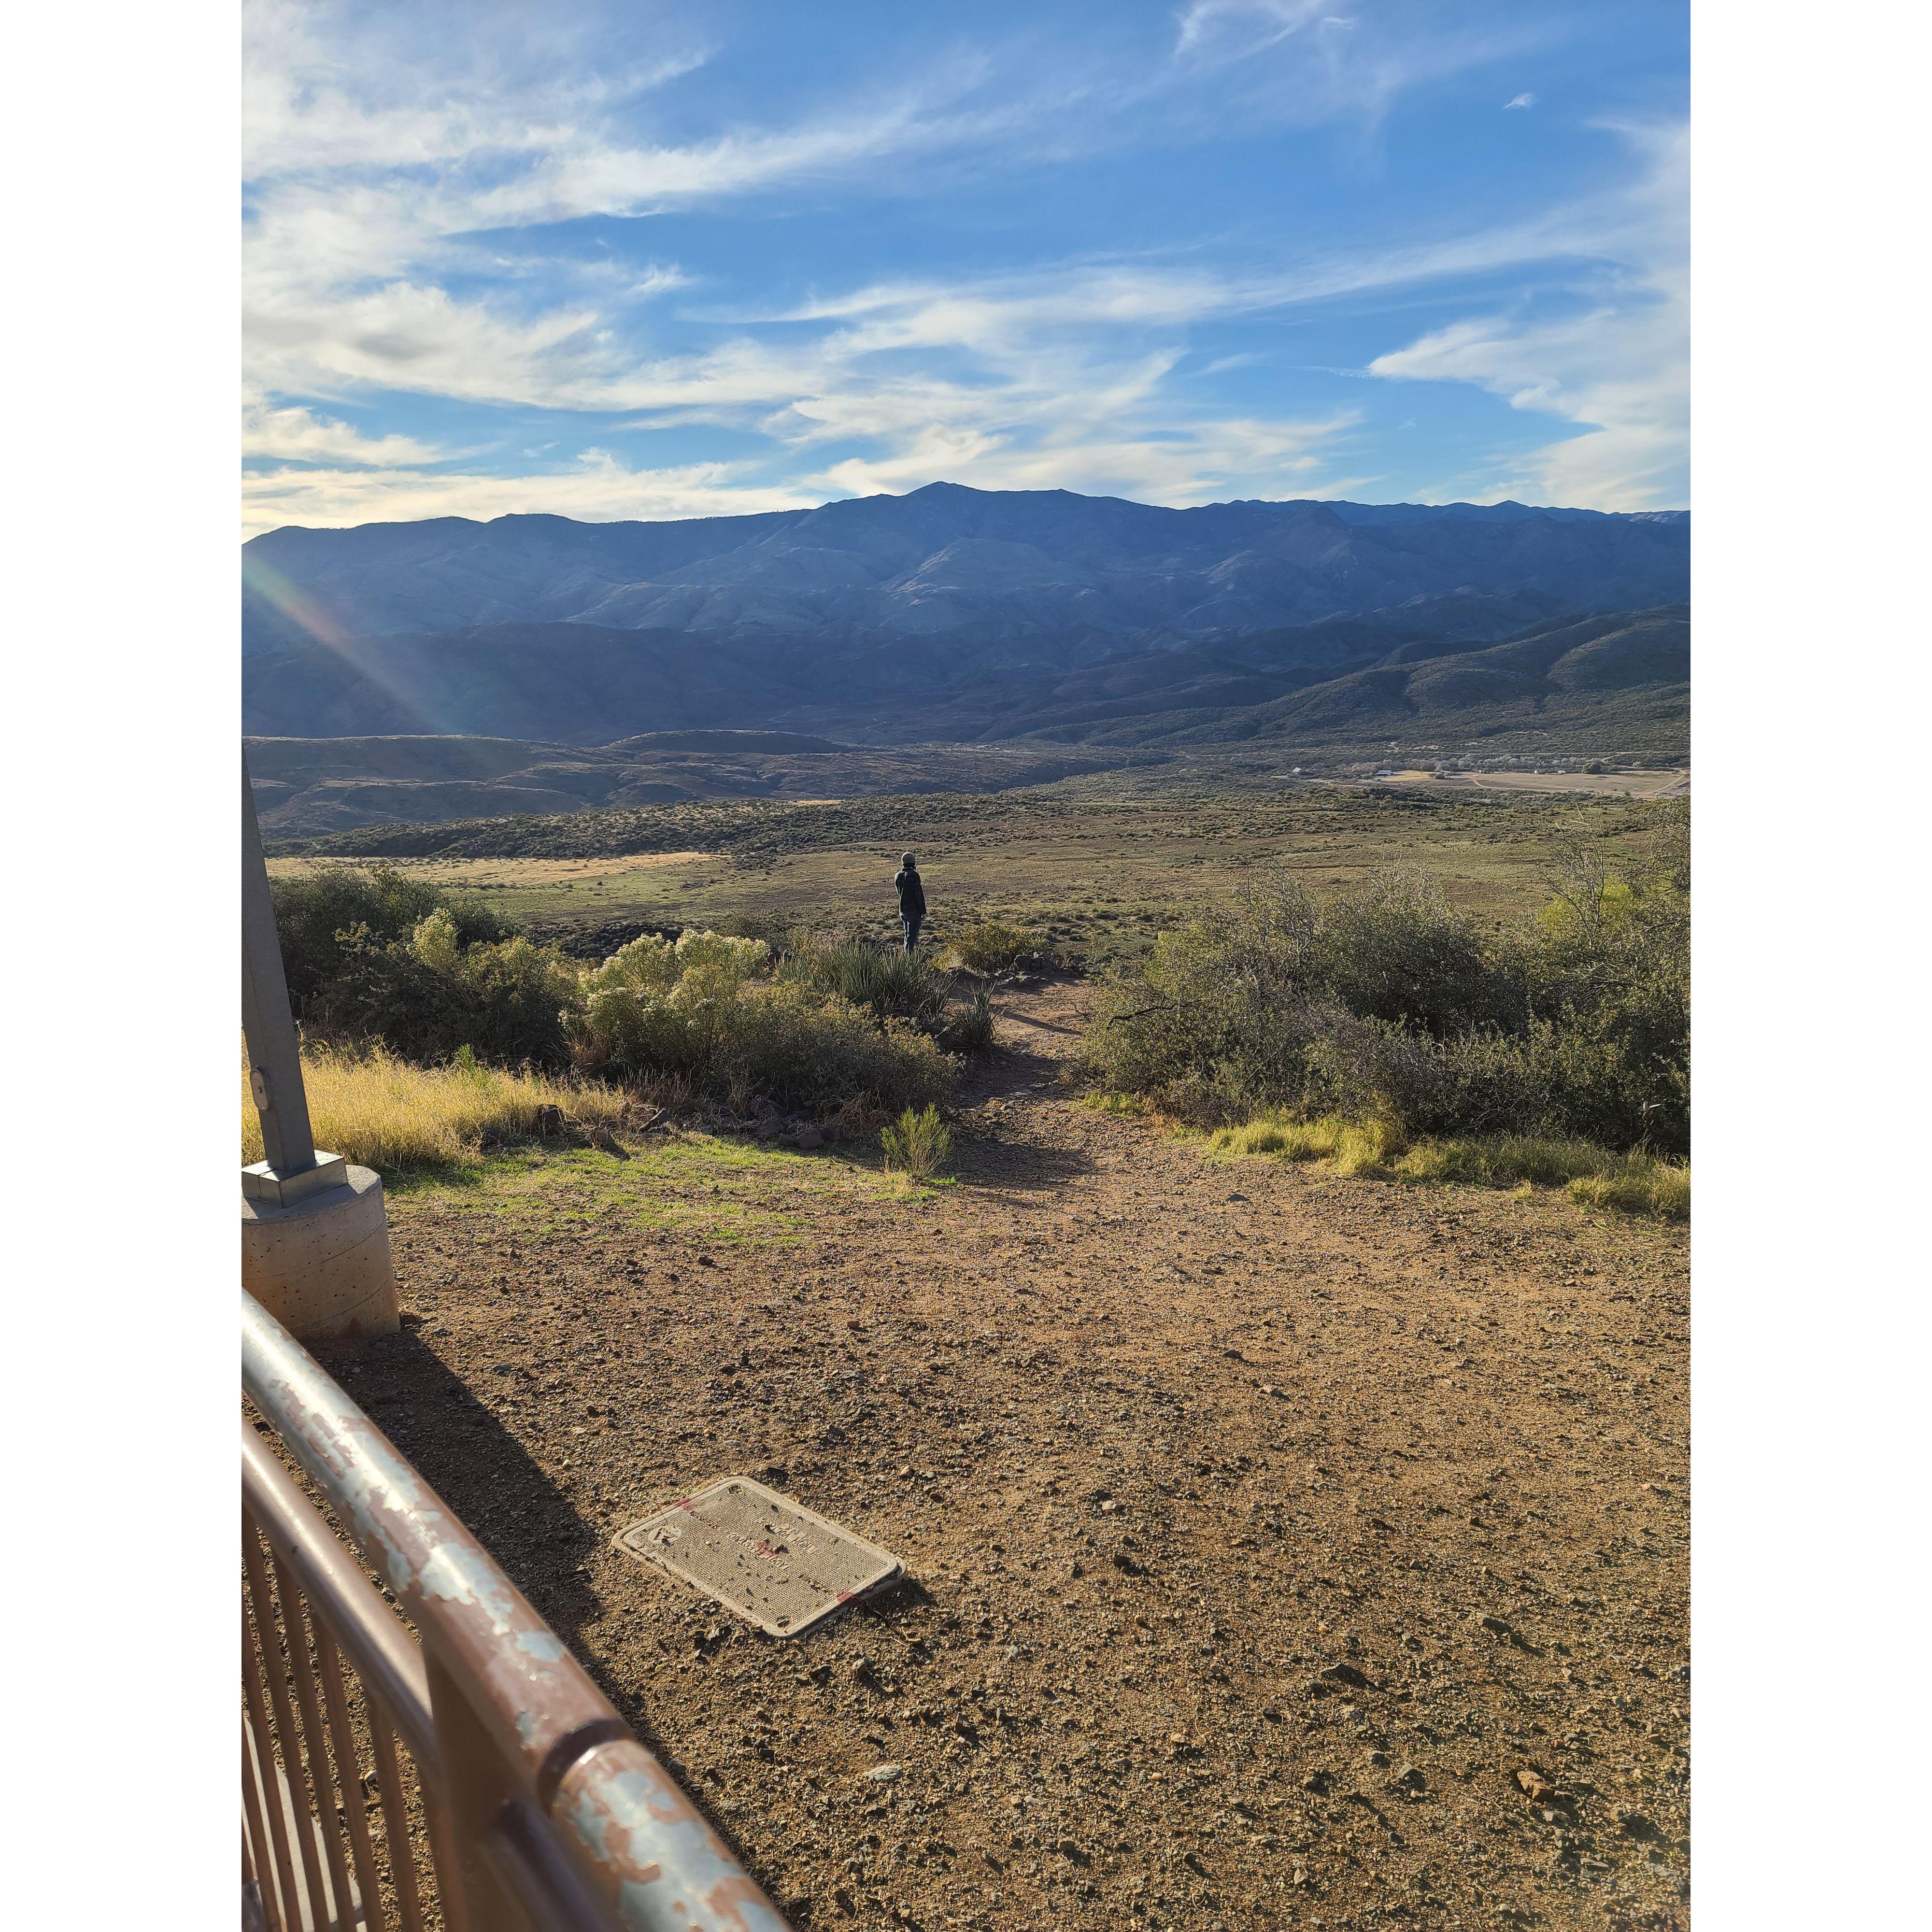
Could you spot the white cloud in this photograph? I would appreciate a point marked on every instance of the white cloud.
(1521, 100)
(600, 488)
(401, 199)
(293, 434)
(1617, 364)
(1245, 25)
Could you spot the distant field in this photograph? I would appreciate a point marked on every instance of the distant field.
(1585, 785)
(1098, 876)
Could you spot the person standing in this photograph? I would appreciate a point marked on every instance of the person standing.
(912, 899)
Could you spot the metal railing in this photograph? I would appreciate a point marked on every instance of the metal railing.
(503, 1793)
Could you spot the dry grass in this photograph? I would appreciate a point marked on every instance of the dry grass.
(1633, 1183)
(379, 1112)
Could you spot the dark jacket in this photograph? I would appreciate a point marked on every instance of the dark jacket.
(912, 895)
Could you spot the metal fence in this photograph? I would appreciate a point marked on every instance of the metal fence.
(478, 1781)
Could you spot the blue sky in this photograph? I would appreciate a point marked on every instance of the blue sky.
(636, 261)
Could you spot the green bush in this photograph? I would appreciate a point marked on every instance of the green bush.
(324, 917)
(428, 997)
(917, 1147)
(1386, 1004)
(1394, 948)
(709, 1011)
(993, 946)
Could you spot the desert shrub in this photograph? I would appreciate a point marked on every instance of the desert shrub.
(710, 1011)
(322, 918)
(917, 1145)
(1386, 1005)
(426, 996)
(970, 1029)
(381, 1111)
(993, 946)
(1394, 948)
(890, 982)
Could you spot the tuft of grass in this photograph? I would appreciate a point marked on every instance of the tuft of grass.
(1355, 1147)
(970, 1031)
(917, 1146)
(377, 1111)
(890, 983)
(1643, 1186)
(1592, 1176)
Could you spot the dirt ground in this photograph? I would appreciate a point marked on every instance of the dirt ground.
(1282, 1549)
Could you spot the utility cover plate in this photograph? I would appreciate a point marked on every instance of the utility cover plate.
(778, 1565)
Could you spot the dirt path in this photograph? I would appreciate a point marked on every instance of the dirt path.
(1288, 1550)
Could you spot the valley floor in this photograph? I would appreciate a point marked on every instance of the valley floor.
(1284, 1550)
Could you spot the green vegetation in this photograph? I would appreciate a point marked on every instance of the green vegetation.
(993, 946)
(891, 984)
(917, 1146)
(680, 1186)
(710, 1014)
(1094, 874)
(1386, 1005)
(390, 971)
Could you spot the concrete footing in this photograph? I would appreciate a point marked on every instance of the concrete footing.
(321, 1264)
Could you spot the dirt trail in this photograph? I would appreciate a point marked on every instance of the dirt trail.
(1286, 1549)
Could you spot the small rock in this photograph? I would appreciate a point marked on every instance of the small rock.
(885, 1773)
(1346, 1673)
(1536, 1787)
(1319, 1782)
(1076, 1568)
(1635, 1825)
(808, 1138)
(1409, 1779)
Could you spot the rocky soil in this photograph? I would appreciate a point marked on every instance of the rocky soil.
(1282, 1549)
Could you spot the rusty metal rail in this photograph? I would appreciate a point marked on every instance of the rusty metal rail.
(505, 1793)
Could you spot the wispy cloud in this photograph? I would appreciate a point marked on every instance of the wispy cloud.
(430, 214)
(293, 433)
(1521, 100)
(1616, 363)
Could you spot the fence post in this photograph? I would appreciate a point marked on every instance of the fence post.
(315, 1238)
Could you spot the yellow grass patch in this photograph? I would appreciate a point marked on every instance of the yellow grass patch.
(379, 1112)
(1633, 1183)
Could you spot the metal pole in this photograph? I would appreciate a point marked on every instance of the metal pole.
(275, 1059)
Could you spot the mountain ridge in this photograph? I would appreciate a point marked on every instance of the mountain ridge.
(981, 566)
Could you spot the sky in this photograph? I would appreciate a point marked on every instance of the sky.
(644, 261)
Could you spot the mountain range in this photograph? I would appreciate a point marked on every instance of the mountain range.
(456, 667)
(974, 567)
